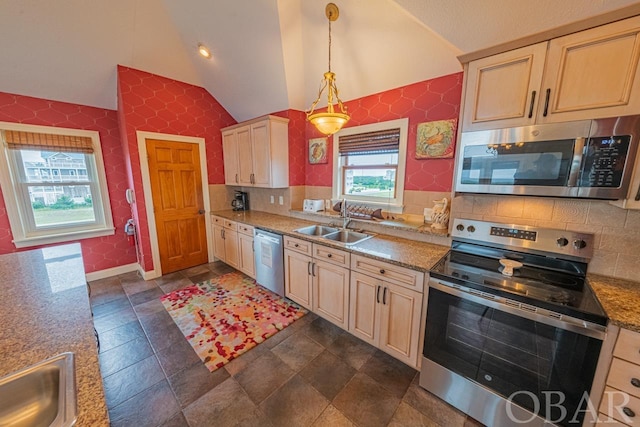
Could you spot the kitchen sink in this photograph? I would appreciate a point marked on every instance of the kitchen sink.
(348, 237)
(43, 394)
(317, 230)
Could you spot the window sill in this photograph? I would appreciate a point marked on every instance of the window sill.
(63, 237)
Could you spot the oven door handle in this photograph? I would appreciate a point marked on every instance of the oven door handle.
(566, 323)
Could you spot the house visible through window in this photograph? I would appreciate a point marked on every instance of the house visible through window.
(53, 184)
(370, 164)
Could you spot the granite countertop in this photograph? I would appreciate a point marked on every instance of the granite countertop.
(45, 311)
(620, 299)
(407, 253)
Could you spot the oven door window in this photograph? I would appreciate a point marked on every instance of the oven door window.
(545, 163)
(510, 354)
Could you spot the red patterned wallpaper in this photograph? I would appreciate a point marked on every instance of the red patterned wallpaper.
(436, 99)
(98, 253)
(297, 145)
(148, 102)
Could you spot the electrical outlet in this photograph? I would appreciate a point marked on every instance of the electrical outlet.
(272, 200)
(281, 200)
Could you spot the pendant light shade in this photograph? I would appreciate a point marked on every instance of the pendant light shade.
(329, 122)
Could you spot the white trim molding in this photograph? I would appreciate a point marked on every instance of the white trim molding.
(142, 137)
(110, 272)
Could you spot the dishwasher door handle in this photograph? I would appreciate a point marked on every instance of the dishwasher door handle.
(267, 238)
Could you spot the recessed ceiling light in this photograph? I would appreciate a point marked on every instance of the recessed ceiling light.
(204, 51)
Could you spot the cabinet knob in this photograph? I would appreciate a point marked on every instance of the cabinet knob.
(382, 271)
(628, 412)
(635, 382)
(296, 245)
(328, 255)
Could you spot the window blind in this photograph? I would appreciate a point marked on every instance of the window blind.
(378, 142)
(19, 140)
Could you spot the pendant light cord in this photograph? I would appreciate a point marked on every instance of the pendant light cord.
(329, 42)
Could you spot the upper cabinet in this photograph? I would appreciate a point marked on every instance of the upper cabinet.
(584, 75)
(256, 153)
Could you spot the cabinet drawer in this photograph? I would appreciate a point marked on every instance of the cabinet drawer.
(623, 375)
(332, 255)
(230, 225)
(389, 272)
(628, 346)
(245, 229)
(217, 221)
(615, 401)
(297, 245)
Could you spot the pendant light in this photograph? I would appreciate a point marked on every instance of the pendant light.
(330, 121)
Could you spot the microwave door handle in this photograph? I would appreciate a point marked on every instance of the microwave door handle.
(576, 162)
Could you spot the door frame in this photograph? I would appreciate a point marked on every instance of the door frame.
(142, 137)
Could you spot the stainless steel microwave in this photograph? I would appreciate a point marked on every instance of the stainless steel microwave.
(585, 159)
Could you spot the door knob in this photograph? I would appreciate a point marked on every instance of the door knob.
(200, 211)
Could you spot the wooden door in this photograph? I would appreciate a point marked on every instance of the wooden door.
(500, 89)
(176, 186)
(593, 73)
(331, 293)
(246, 255)
(230, 155)
(364, 316)
(297, 280)
(400, 323)
(245, 155)
(261, 150)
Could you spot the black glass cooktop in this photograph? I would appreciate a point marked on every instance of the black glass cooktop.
(559, 287)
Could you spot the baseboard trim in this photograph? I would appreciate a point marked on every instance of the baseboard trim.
(110, 272)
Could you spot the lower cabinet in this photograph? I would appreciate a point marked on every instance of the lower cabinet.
(386, 315)
(315, 277)
(246, 259)
(297, 278)
(225, 241)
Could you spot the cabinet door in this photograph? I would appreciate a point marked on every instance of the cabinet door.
(503, 90)
(297, 278)
(231, 248)
(331, 292)
(245, 255)
(592, 73)
(230, 156)
(218, 243)
(245, 166)
(400, 323)
(364, 311)
(261, 149)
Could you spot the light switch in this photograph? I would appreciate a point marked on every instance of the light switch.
(272, 199)
(281, 200)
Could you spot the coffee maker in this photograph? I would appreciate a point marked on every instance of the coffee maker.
(240, 201)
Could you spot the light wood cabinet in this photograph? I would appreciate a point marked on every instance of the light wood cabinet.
(246, 259)
(225, 241)
(621, 399)
(297, 278)
(585, 75)
(256, 153)
(317, 277)
(385, 314)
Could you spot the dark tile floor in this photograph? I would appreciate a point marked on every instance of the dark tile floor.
(310, 374)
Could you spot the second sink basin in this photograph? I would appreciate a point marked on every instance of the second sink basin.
(317, 230)
(41, 395)
(348, 237)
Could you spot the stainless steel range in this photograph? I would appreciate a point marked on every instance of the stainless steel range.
(513, 332)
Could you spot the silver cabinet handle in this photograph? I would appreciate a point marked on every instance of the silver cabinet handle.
(533, 100)
(236, 178)
(313, 269)
(378, 294)
(309, 268)
(384, 296)
(546, 103)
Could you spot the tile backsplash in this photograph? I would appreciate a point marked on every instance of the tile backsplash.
(616, 230)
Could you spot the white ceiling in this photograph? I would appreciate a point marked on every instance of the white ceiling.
(268, 55)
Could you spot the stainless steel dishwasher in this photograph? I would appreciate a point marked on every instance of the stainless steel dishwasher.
(269, 253)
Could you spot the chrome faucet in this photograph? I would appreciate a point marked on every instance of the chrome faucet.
(344, 213)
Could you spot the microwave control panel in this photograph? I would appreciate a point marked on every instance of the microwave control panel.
(603, 161)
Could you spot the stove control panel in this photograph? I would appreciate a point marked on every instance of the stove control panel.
(563, 242)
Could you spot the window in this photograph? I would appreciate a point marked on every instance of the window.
(369, 164)
(53, 183)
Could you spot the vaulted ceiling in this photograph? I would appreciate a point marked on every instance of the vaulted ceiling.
(268, 55)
